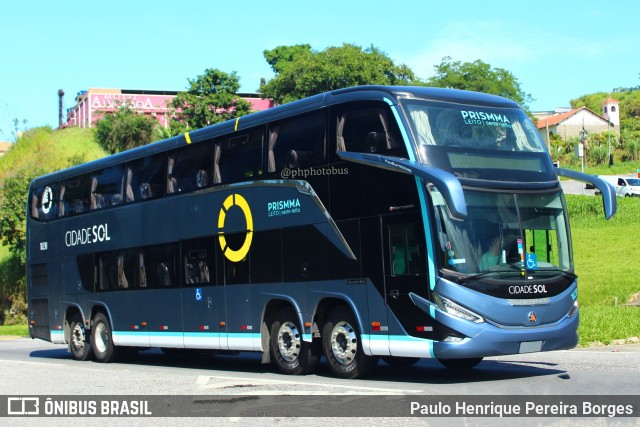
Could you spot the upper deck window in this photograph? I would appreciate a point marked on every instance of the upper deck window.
(106, 188)
(368, 127)
(75, 195)
(145, 178)
(238, 156)
(297, 142)
(189, 168)
(45, 202)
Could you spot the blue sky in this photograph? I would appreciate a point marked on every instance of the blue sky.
(558, 50)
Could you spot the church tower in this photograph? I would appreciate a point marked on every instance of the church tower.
(611, 111)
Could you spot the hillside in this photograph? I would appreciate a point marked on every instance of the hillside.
(47, 150)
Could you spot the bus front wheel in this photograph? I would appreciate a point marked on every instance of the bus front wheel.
(102, 340)
(79, 342)
(290, 352)
(342, 345)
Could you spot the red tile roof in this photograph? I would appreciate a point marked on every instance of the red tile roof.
(554, 120)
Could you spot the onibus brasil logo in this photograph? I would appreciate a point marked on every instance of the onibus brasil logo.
(235, 255)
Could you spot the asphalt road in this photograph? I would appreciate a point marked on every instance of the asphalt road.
(576, 187)
(34, 367)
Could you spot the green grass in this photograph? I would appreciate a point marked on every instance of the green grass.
(606, 261)
(14, 330)
(618, 168)
(47, 150)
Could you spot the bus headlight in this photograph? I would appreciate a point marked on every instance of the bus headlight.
(454, 309)
(574, 309)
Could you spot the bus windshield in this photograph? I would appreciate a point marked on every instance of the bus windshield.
(505, 235)
(473, 126)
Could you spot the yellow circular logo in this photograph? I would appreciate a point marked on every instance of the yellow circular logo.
(232, 254)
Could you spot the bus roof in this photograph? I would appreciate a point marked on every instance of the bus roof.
(355, 93)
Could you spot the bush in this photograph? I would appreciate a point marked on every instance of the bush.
(598, 154)
(13, 307)
(125, 129)
(631, 151)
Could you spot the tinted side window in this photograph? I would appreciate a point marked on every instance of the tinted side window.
(199, 264)
(117, 270)
(158, 266)
(45, 202)
(74, 195)
(145, 178)
(238, 156)
(405, 251)
(297, 143)
(368, 128)
(106, 188)
(189, 168)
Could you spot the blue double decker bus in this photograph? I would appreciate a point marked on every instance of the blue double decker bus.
(371, 222)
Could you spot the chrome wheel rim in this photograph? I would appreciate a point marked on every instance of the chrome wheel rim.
(289, 341)
(78, 339)
(102, 337)
(344, 343)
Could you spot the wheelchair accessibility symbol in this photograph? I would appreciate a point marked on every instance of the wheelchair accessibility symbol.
(198, 294)
(532, 262)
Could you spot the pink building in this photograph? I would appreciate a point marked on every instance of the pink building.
(93, 103)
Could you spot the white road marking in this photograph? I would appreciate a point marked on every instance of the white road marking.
(29, 363)
(205, 381)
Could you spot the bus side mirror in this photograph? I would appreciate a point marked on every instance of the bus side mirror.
(607, 190)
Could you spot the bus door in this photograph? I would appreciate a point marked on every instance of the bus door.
(405, 272)
(371, 258)
(201, 297)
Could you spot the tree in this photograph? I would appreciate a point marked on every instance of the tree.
(124, 129)
(480, 77)
(302, 72)
(210, 98)
(279, 57)
(13, 199)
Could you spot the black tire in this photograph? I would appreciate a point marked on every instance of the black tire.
(102, 340)
(79, 339)
(342, 345)
(400, 362)
(291, 354)
(461, 364)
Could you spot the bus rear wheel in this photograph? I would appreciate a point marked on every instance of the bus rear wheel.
(102, 340)
(79, 341)
(342, 345)
(290, 352)
(460, 363)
